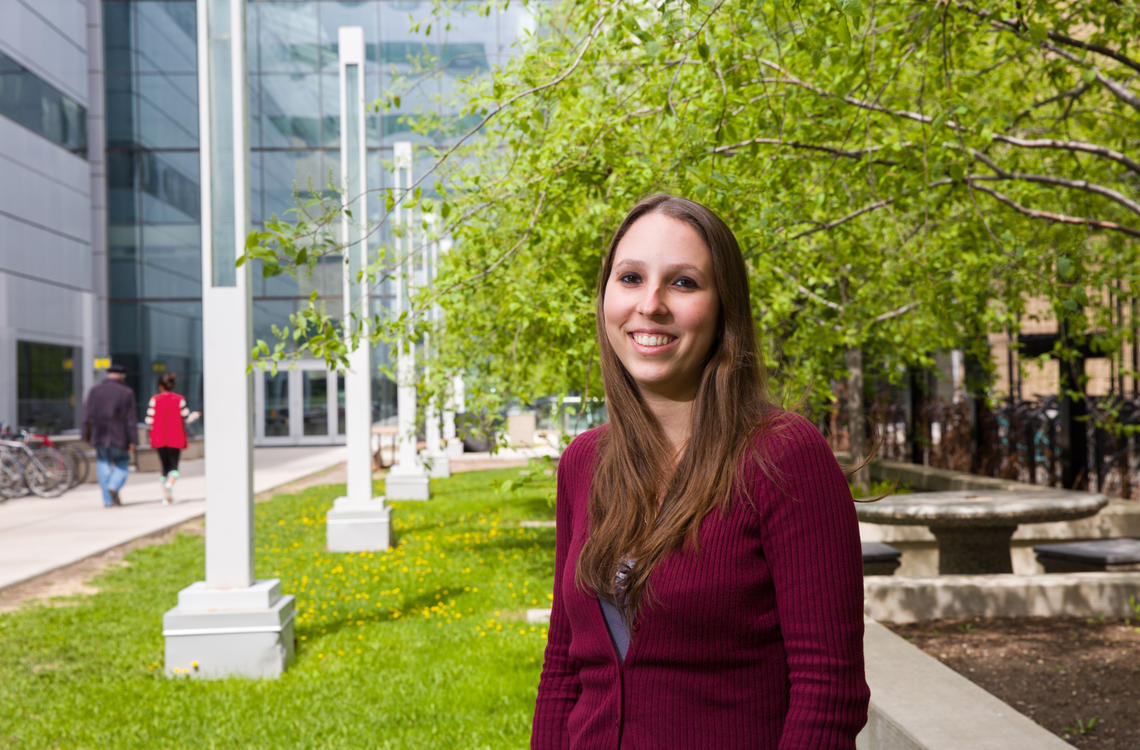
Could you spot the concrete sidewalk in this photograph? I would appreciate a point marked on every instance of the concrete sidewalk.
(39, 535)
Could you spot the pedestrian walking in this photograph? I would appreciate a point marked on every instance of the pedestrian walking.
(110, 418)
(166, 417)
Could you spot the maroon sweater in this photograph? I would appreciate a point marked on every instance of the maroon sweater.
(757, 639)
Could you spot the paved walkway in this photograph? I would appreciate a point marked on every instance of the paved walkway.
(39, 535)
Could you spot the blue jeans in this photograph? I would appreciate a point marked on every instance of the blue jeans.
(111, 470)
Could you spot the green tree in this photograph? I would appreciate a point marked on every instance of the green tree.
(900, 174)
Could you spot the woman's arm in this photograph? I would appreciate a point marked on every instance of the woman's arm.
(558, 688)
(811, 543)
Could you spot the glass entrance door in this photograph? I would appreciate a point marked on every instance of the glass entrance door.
(298, 406)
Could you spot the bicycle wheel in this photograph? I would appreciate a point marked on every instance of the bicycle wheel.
(47, 473)
(12, 482)
(78, 463)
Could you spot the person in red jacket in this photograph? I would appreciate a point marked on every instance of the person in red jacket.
(166, 417)
(708, 585)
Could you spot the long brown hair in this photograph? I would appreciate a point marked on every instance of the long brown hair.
(641, 508)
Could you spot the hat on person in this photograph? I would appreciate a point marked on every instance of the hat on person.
(117, 368)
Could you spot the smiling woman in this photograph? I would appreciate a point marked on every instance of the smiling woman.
(708, 576)
(661, 306)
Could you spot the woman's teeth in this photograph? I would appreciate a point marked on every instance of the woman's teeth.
(650, 339)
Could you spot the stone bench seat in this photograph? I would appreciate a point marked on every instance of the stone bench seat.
(879, 559)
(1121, 554)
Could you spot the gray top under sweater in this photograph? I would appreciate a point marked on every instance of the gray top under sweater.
(615, 623)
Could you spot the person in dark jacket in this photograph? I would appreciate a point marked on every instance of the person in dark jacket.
(110, 418)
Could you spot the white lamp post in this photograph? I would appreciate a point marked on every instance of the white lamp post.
(230, 624)
(452, 443)
(357, 521)
(407, 480)
(437, 459)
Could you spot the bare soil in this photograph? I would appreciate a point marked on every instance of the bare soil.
(1079, 678)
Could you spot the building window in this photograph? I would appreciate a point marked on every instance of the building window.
(42, 108)
(45, 386)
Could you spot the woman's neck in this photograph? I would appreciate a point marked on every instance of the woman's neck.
(675, 419)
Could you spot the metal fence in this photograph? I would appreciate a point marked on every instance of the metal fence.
(1018, 441)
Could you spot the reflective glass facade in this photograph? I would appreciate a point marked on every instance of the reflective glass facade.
(154, 245)
(41, 107)
(45, 386)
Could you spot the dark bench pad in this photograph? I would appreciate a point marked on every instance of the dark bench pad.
(1103, 551)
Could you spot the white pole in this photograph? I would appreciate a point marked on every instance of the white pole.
(438, 460)
(452, 445)
(407, 480)
(357, 521)
(358, 380)
(229, 624)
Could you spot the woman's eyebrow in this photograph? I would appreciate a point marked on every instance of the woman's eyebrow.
(671, 269)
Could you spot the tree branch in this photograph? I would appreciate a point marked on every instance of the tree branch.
(1044, 179)
(1088, 148)
(1017, 28)
(861, 103)
(849, 153)
(498, 261)
(844, 219)
(1073, 93)
(898, 311)
(1122, 92)
(1044, 215)
(805, 291)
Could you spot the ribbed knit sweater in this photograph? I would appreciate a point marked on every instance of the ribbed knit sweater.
(756, 639)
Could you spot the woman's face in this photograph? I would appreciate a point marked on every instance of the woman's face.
(661, 306)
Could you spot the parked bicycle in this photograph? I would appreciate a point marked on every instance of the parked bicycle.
(43, 471)
(76, 457)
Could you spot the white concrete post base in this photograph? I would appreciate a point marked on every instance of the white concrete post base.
(439, 465)
(407, 485)
(241, 632)
(454, 448)
(358, 526)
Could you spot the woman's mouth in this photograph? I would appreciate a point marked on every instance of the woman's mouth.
(652, 339)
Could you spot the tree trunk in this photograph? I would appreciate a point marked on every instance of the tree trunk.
(918, 436)
(857, 418)
(1073, 414)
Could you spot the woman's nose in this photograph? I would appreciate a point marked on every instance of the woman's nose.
(652, 302)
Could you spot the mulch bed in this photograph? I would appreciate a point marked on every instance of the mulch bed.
(1079, 678)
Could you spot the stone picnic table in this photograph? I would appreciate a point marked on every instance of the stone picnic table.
(974, 527)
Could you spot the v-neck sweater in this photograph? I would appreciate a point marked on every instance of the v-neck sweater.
(755, 640)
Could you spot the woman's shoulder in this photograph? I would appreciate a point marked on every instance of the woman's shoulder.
(585, 445)
(579, 455)
(785, 435)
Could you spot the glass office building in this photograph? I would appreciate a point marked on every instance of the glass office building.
(52, 266)
(153, 242)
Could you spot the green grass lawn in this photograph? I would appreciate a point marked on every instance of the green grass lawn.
(423, 646)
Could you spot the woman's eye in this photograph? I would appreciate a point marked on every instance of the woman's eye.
(629, 278)
(686, 283)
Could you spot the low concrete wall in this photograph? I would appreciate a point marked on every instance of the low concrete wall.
(899, 599)
(917, 703)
